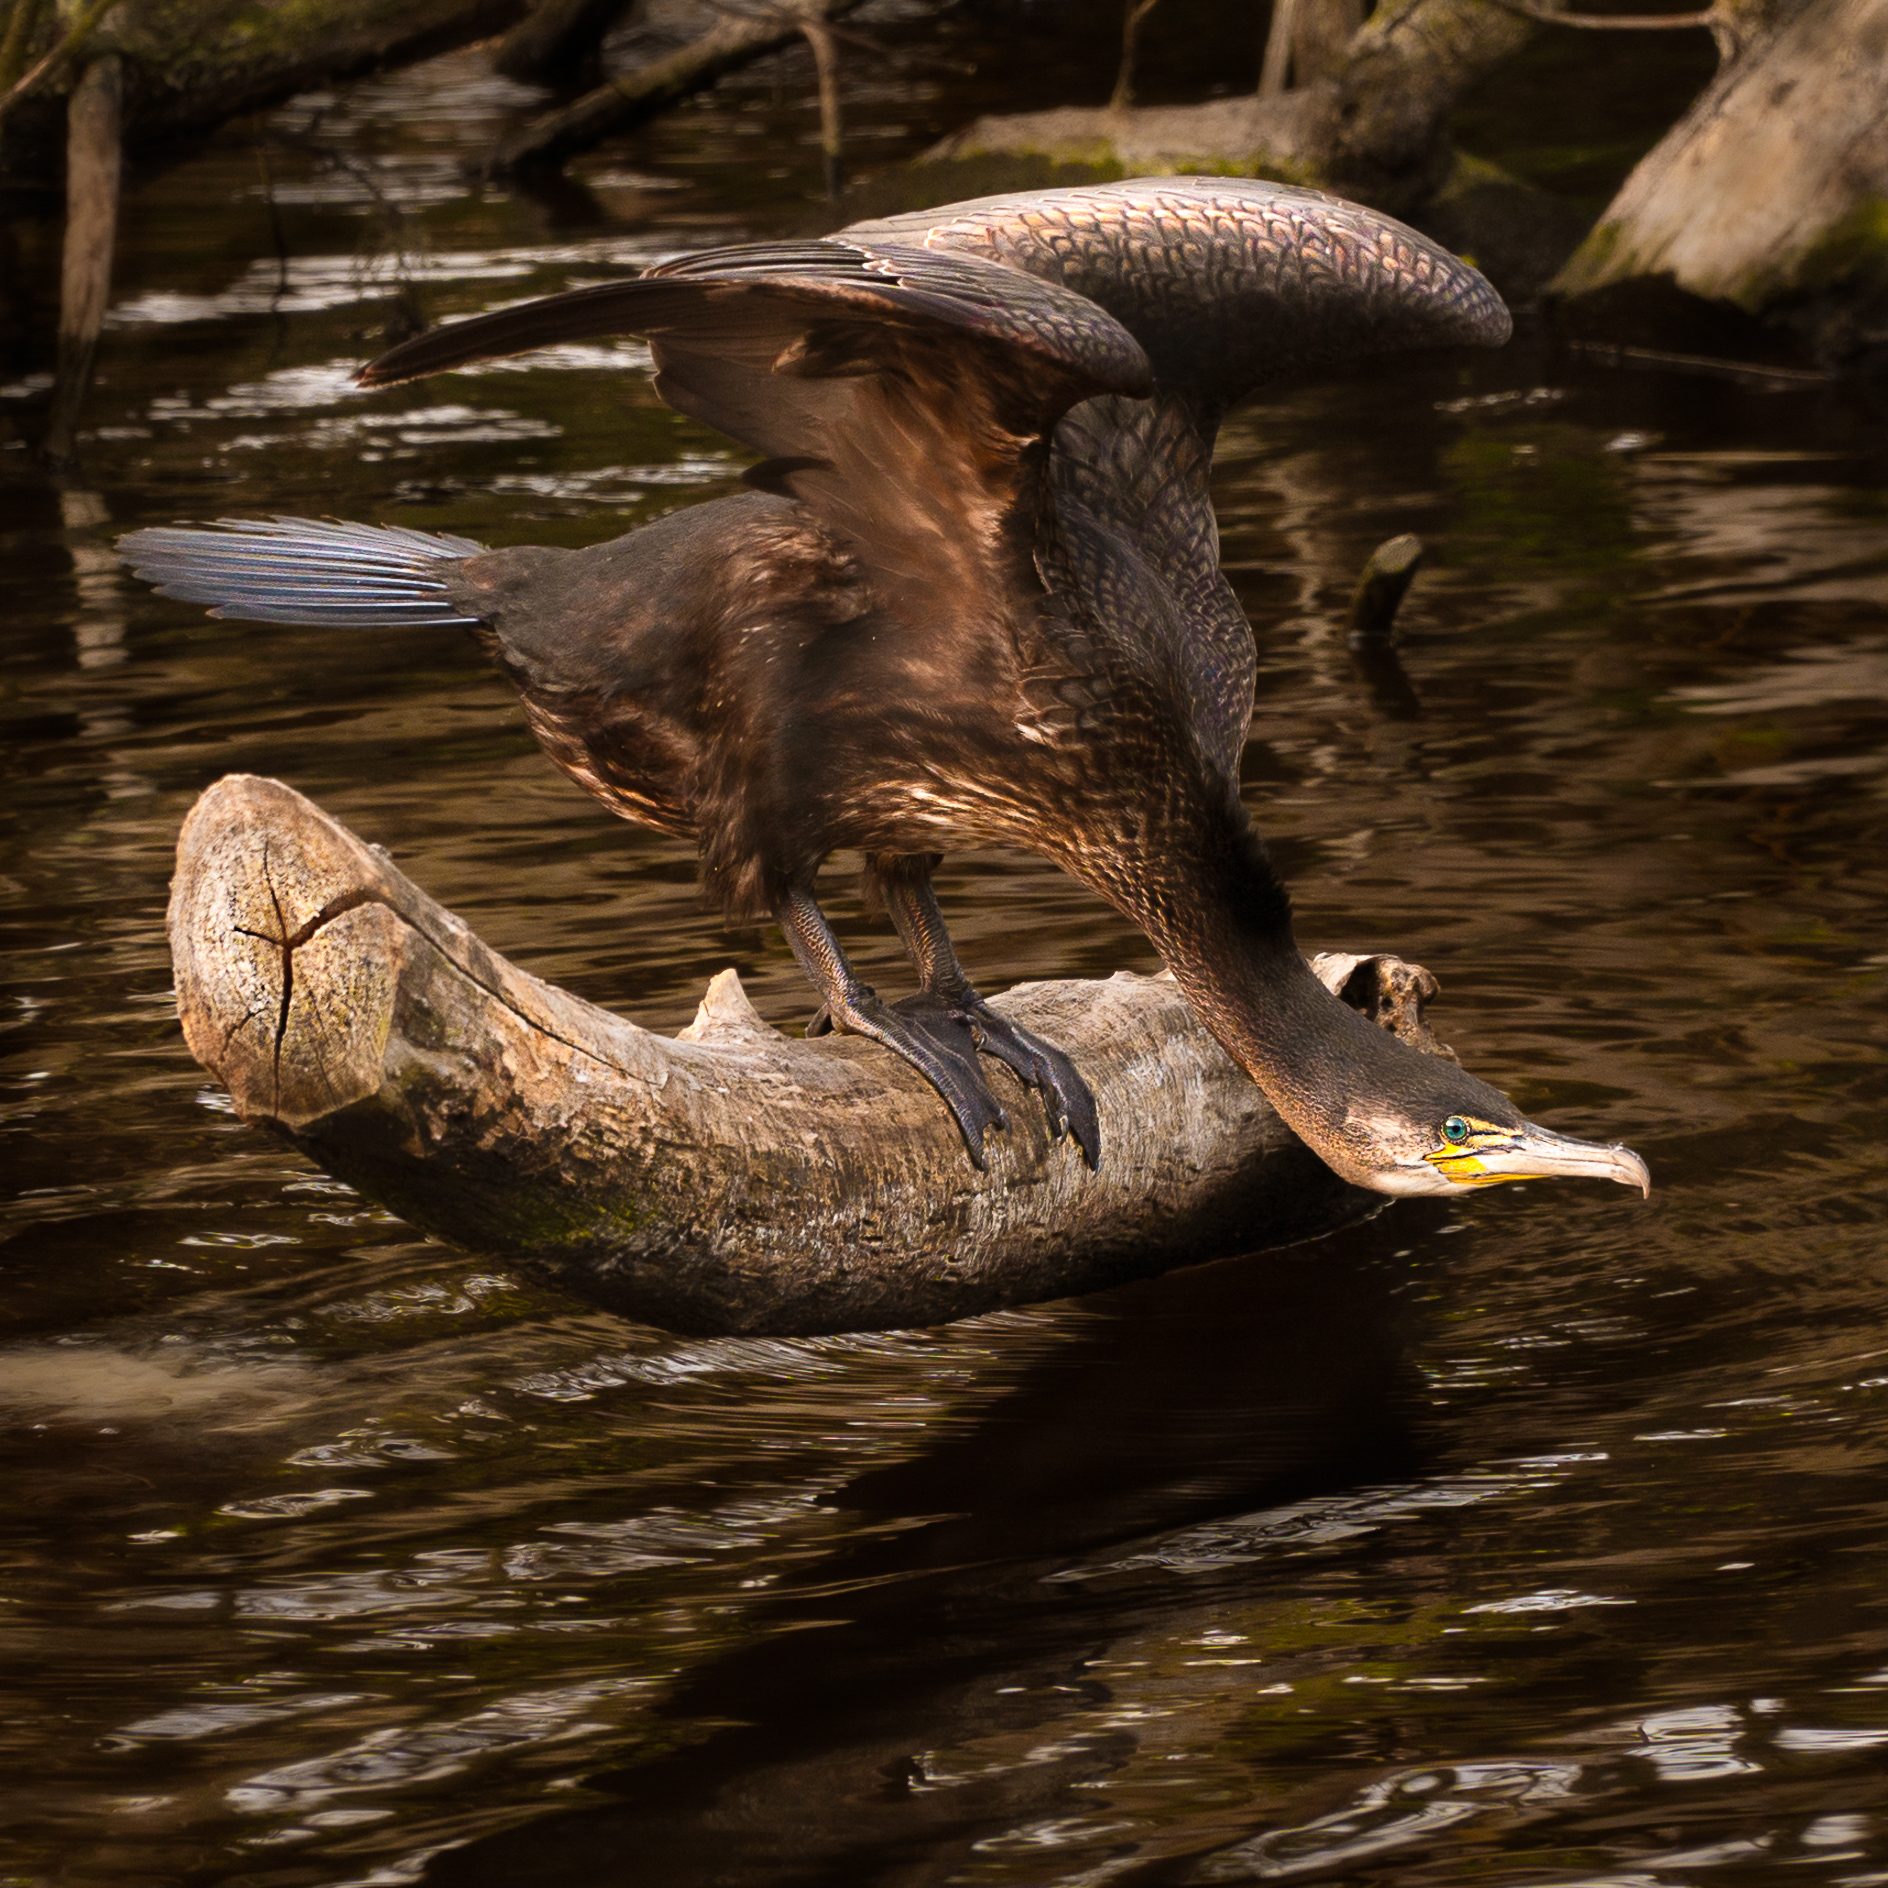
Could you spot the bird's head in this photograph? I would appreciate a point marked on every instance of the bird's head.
(1390, 1118)
(1380, 1112)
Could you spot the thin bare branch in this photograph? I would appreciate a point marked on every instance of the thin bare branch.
(818, 35)
(1708, 18)
(1137, 12)
(1275, 72)
(80, 31)
(21, 22)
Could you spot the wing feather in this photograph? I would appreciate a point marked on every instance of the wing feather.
(906, 397)
(1231, 284)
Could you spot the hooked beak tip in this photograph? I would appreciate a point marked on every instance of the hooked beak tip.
(1538, 1153)
(1559, 1155)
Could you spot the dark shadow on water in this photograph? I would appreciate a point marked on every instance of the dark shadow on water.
(1232, 1388)
(568, 205)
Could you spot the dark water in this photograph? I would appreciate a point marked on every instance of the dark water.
(1536, 1540)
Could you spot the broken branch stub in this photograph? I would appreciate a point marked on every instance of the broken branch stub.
(729, 1179)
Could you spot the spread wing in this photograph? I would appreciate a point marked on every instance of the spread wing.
(905, 396)
(1230, 284)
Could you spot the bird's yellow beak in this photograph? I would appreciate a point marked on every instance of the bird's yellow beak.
(1489, 1154)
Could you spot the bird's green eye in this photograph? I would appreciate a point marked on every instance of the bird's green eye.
(1455, 1130)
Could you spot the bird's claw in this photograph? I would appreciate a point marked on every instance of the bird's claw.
(956, 1027)
(1067, 1099)
(937, 1041)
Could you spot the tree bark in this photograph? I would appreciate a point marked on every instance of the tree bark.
(730, 1179)
(1774, 186)
(1404, 73)
(633, 98)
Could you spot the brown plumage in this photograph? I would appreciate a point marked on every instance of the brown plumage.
(975, 599)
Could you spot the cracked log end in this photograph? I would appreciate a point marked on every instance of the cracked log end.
(253, 918)
(730, 1178)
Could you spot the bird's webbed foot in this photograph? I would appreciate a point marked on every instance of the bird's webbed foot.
(923, 1030)
(935, 1038)
(964, 1021)
(1067, 1099)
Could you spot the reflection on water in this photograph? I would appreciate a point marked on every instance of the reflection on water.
(1535, 1540)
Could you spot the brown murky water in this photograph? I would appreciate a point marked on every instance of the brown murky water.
(1536, 1540)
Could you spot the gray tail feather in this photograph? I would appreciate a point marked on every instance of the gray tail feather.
(298, 570)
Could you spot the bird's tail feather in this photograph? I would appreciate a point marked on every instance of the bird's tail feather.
(298, 570)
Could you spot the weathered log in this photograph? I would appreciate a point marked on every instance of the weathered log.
(1283, 137)
(630, 99)
(1403, 75)
(1773, 188)
(730, 1179)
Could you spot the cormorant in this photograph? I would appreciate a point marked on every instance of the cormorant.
(974, 599)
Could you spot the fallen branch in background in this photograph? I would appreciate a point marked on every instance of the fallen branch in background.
(731, 1179)
(629, 99)
(50, 63)
(149, 78)
(196, 67)
(1370, 120)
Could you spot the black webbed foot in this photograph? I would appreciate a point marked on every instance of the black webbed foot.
(1067, 1099)
(935, 1037)
(941, 1030)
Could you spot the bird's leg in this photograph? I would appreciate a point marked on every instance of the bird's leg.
(912, 903)
(936, 1043)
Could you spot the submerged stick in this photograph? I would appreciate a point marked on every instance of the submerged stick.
(731, 1178)
(832, 136)
(1382, 586)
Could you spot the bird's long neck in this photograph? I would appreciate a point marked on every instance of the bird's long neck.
(1222, 922)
